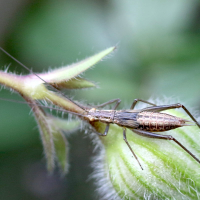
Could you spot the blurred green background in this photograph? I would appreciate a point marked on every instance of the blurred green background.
(158, 55)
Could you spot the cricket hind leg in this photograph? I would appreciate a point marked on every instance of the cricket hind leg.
(171, 106)
(164, 137)
(137, 100)
(125, 139)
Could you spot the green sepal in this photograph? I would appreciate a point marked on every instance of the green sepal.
(71, 71)
(169, 172)
(75, 83)
(46, 135)
(61, 149)
(66, 125)
(58, 127)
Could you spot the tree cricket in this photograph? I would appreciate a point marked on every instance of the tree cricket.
(145, 122)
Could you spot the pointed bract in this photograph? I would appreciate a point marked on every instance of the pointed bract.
(75, 83)
(71, 71)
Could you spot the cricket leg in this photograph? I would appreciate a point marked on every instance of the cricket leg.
(136, 100)
(114, 108)
(164, 137)
(105, 132)
(172, 106)
(118, 101)
(125, 139)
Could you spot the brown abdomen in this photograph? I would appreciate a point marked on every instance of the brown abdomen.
(152, 121)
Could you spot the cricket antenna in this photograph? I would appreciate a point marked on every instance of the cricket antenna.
(24, 66)
(59, 109)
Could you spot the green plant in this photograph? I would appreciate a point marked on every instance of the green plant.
(168, 173)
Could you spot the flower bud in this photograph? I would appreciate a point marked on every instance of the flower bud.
(168, 172)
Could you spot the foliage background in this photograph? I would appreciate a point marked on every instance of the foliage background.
(158, 55)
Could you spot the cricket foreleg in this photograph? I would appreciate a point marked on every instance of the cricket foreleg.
(106, 131)
(118, 101)
(164, 137)
(124, 137)
(137, 100)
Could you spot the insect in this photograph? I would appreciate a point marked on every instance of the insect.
(145, 122)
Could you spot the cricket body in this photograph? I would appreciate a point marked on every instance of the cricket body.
(144, 122)
(137, 119)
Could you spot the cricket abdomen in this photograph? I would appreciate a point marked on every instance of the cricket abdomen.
(156, 122)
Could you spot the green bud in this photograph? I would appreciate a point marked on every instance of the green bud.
(169, 172)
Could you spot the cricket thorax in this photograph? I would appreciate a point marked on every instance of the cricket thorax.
(101, 115)
(153, 121)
